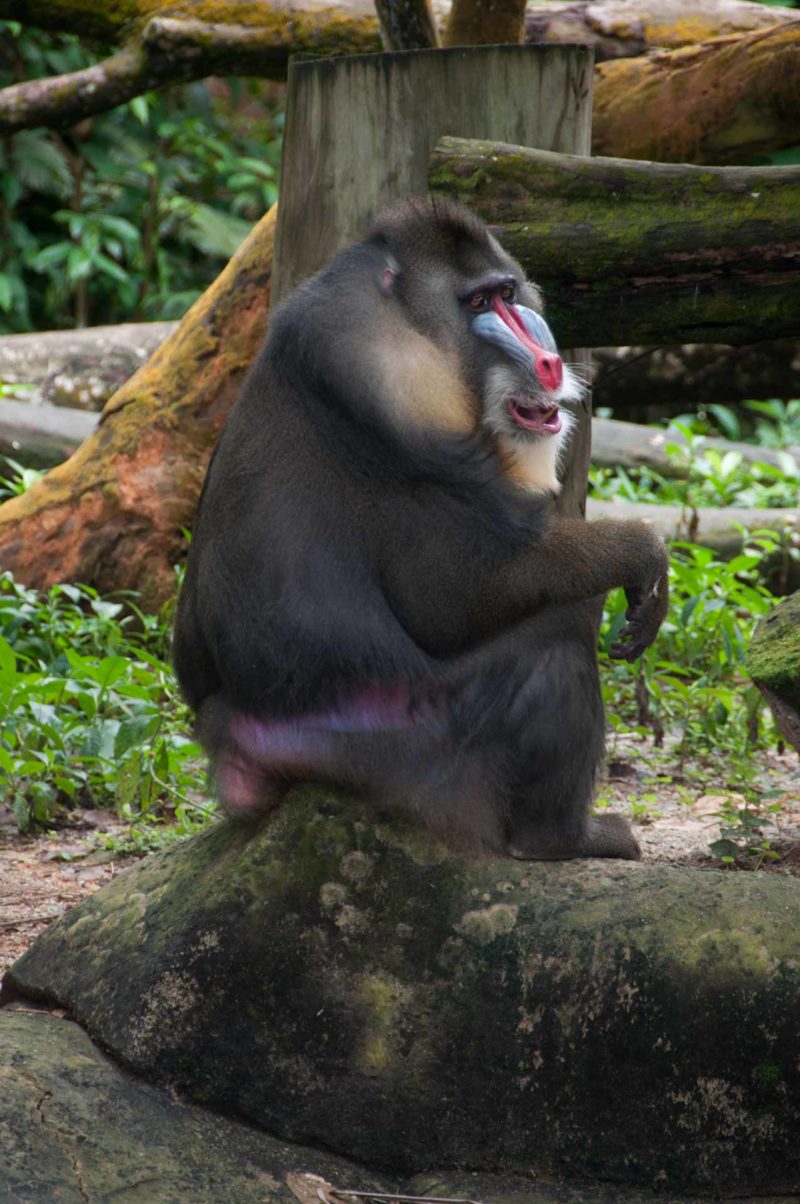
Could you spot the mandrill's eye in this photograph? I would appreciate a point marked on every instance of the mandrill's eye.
(508, 293)
(478, 302)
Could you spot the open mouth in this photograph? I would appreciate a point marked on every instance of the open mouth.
(545, 419)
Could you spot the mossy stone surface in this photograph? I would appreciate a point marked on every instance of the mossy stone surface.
(344, 982)
(773, 662)
(74, 1128)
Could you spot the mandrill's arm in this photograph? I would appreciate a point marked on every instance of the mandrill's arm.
(575, 560)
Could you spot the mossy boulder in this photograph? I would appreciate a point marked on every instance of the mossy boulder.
(774, 665)
(74, 1128)
(345, 982)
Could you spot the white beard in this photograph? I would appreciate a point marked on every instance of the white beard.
(533, 459)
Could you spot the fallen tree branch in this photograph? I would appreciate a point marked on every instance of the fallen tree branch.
(630, 445)
(172, 50)
(164, 47)
(630, 252)
(41, 435)
(722, 101)
(624, 28)
(79, 368)
(718, 529)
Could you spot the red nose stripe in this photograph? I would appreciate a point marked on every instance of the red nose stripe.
(548, 365)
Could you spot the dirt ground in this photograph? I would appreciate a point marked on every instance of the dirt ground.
(43, 875)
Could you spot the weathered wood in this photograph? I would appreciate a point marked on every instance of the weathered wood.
(80, 368)
(339, 167)
(629, 445)
(719, 529)
(640, 252)
(41, 435)
(723, 101)
(624, 28)
(407, 24)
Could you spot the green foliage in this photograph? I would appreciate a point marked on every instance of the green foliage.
(692, 682)
(712, 477)
(19, 478)
(90, 714)
(129, 215)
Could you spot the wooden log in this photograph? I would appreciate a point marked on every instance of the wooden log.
(640, 252)
(630, 445)
(625, 28)
(113, 515)
(41, 436)
(719, 529)
(339, 167)
(724, 101)
(80, 368)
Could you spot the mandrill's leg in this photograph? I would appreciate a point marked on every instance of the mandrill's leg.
(555, 741)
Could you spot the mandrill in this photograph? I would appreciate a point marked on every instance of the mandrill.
(378, 594)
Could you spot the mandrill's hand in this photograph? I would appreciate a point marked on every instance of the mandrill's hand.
(647, 607)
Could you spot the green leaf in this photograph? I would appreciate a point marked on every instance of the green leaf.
(134, 732)
(140, 109)
(41, 165)
(8, 661)
(214, 232)
(110, 268)
(128, 777)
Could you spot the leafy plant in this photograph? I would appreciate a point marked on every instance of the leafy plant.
(692, 682)
(19, 479)
(709, 477)
(130, 214)
(89, 711)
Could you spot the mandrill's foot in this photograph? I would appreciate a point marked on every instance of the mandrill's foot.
(610, 835)
(245, 791)
(604, 836)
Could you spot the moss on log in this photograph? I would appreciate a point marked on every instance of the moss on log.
(640, 252)
(113, 514)
(773, 662)
(622, 28)
(722, 101)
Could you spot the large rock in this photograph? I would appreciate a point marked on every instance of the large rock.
(774, 665)
(74, 1128)
(347, 983)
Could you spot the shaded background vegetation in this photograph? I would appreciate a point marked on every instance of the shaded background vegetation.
(130, 215)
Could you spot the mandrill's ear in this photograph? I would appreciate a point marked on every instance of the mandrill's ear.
(390, 273)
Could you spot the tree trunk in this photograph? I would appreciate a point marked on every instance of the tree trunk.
(640, 252)
(114, 513)
(628, 445)
(407, 24)
(498, 22)
(724, 101)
